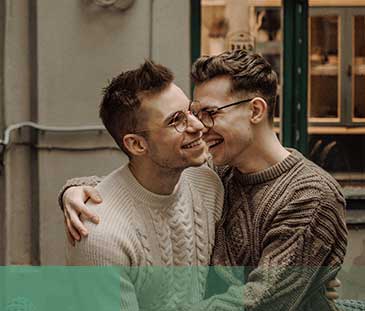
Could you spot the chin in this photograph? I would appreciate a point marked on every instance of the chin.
(199, 161)
(219, 161)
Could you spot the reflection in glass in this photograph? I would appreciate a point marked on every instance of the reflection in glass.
(232, 24)
(359, 67)
(268, 39)
(324, 67)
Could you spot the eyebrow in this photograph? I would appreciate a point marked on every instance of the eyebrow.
(210, 107)
(207, 105)
(206, 108)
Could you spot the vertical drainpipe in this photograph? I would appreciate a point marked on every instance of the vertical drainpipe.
(3, 238)
(195, 33)
(295, 68)
(34, 171)
(150, 52)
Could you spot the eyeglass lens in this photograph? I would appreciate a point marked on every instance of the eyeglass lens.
(180, 121)
(203, 115)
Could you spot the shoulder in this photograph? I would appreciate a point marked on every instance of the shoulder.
(204, 179)
(108, 243)
(207, 184)
(310, 180)
(114, 240)
(202, 174)
(313, 200)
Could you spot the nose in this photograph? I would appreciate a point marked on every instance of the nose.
(194, 124)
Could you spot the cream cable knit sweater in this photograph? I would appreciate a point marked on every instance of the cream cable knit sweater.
(164, 243)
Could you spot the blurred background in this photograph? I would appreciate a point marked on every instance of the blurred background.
(56, 56)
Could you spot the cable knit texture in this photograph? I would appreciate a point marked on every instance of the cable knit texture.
(163, 243)
(286, 225)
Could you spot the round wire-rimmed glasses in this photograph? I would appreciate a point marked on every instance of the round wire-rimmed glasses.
(205, 115)
(179, 121)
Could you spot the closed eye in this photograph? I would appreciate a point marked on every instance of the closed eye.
(176, 118)
(171, 121)
(210, 111)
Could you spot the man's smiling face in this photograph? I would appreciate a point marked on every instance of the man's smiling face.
(231, 135)
(168, 148)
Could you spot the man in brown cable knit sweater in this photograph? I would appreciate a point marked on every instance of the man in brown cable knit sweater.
(284, 216)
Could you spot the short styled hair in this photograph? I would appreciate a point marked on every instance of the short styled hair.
(123, 97)
(249, 72)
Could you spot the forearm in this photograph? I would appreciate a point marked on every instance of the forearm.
(289, 273)
(293, 289)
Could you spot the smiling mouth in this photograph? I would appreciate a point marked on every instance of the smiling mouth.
(213, 143)
(193, 144)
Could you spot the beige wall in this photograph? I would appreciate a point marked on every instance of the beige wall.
(58, 55)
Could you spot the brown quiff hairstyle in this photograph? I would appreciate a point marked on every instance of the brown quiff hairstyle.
(123, 97)
(249, 72)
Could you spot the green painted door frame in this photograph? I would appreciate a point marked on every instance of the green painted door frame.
(195, 32)
(295, 78)
(295, 68)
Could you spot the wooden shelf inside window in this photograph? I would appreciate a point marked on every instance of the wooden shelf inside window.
(324, 70)
(359, 70)
(342, 130)
(213, 2)
(331, 130)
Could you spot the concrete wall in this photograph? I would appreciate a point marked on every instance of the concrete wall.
(57, 57)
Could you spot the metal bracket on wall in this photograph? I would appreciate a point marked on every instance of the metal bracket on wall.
(42, 128)
(121, 5)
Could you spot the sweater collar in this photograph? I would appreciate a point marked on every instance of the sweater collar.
(149, 198)
(270, 173)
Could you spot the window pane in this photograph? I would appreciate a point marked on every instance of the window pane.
(324, 67)
(359, 67)
(268, 39)
(232, 24)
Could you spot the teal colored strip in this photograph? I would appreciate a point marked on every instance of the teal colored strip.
(59, 288)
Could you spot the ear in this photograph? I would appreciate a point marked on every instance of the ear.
(258, 109)
(135, 144)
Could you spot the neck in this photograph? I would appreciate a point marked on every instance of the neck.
(155, 179)
(259, 156)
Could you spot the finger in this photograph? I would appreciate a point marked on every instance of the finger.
(77, 224)
(332, 295)
(334, 283)
(72, 230)
(70, 239)
(82, 209)
(93, 194)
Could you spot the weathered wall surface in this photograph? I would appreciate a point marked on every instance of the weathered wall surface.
(57, 57)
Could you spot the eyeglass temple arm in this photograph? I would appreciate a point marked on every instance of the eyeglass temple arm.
(236, 103)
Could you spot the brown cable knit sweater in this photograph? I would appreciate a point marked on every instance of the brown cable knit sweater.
(286, 225)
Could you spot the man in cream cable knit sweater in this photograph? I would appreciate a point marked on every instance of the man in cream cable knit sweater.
(283, 215)
(156, 212)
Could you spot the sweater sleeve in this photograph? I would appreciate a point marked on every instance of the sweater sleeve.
(78, 181)
(303, 249)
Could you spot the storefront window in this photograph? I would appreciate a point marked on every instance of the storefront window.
(324, 67)
(359, 68)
